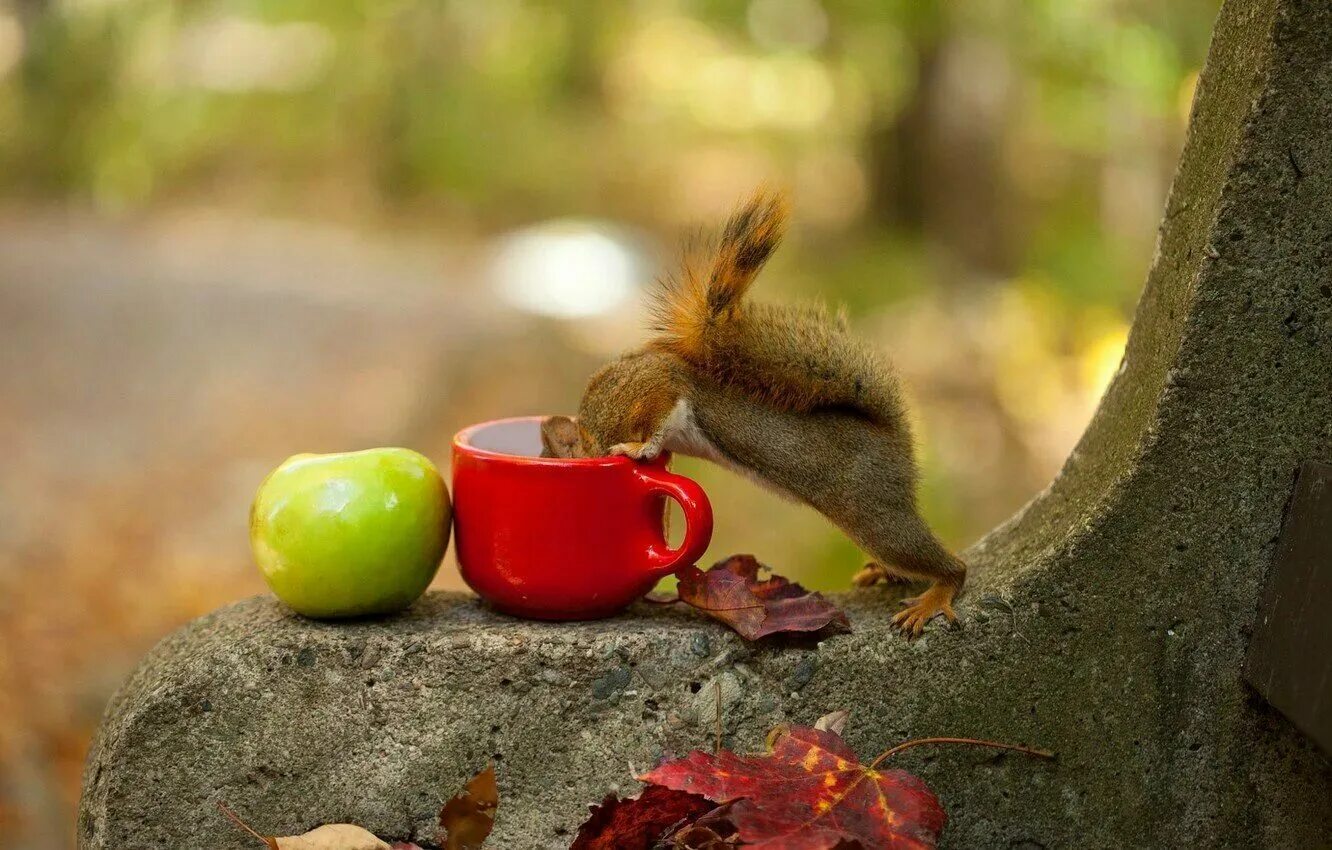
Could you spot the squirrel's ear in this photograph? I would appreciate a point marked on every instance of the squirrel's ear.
(560, 437)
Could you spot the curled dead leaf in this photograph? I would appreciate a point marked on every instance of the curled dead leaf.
(712, 831)
(697, 837)
(732, 592)
(466, 821)
(332, 836)
(833, 721)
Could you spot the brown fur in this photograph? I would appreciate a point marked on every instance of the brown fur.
(561, 437)
(859, 474)
(784, 393)
(690, 308)
(797, 358)
(625, 402)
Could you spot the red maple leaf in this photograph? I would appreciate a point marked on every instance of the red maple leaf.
(639, 823)
(731, 591)
(810, 792)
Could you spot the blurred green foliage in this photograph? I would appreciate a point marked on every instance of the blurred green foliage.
(507, 108)
(978, 181)
(1006, 154)
(1011, 155)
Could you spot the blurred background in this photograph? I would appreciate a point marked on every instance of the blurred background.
(235, 230)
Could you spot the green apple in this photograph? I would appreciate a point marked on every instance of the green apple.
(351, 534)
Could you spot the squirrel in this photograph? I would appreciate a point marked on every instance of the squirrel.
(782, 394)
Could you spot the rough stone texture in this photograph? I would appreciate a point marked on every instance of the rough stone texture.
(1107, 620)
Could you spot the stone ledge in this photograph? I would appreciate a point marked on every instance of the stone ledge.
(297, 723)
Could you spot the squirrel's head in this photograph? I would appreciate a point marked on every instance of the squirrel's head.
(624, 402)
(561, 437)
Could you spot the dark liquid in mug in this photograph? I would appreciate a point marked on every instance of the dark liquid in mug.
(511, 438)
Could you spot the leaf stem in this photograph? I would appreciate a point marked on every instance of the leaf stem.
(235, 818)
(717, 685)
(975, 742)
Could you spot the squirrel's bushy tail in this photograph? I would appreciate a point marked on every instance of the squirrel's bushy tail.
(706, 293)
(793, 357)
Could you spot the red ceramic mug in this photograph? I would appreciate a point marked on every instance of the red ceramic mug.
(556, 539)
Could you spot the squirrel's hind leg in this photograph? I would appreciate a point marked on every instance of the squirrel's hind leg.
(936, 600)
(906, 548)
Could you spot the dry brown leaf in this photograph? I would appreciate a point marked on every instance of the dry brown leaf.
(833, 721)
(732, 592)
(332, 836)
(466, 820)
(702, 838)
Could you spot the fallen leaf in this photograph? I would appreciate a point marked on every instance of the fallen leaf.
(639, 823)
(700, 838)
(833, 721)
(332, 836)
(712, 831)
(466, 820)
(732, 592)
(810, 792)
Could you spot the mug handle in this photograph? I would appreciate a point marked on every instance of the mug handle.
(656, 480)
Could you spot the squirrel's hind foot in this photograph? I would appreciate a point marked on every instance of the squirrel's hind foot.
(936, 600)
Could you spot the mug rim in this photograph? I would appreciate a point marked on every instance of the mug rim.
(462, 441)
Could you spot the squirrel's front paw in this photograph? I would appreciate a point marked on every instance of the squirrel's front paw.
(637, 451)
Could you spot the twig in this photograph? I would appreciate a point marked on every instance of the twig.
(1031, 751)
(235, 818)
(717, 688)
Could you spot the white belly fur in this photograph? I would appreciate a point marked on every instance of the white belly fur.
(683, 436)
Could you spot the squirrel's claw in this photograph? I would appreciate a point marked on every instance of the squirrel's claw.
(636, 451)
(938, 599)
